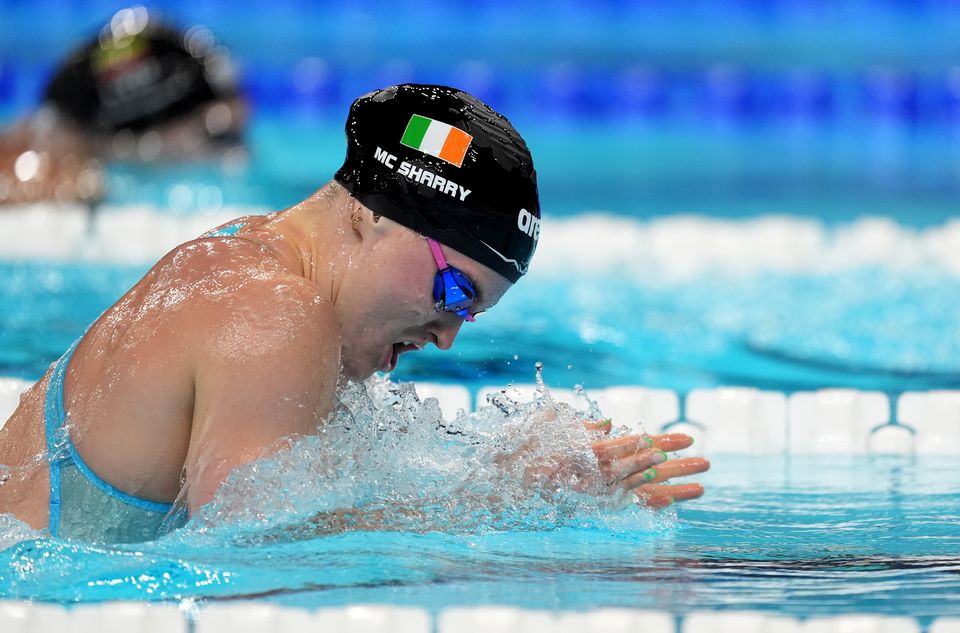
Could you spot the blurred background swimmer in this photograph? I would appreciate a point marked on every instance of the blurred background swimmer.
(142, 90)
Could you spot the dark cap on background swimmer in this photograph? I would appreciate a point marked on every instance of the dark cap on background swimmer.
(140, 72)
(446, 165)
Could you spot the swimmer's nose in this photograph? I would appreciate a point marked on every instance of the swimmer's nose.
(446, 331)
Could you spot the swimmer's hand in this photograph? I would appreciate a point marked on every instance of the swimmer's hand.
(641, 463)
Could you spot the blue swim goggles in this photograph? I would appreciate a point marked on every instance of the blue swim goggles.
(452, 290)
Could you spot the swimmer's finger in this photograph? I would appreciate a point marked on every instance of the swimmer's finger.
(671, 441)
(683, 467)
(617, 447)
(630, 444)
(654, 494)
(603, 426)
(627, 467)
(667, 470)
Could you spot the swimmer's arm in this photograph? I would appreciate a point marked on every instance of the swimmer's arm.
(266, 376)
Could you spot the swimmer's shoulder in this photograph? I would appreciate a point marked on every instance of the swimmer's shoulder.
(235, 289)
(223, 262)
(231, 228)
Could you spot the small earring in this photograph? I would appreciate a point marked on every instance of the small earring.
(355, 220)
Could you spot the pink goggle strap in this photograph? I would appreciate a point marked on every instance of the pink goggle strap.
(441, 264)
(437, 253)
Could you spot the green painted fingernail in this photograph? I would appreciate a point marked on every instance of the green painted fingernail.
(660, 457)
(606, 422)
(649, 441)
(670, 503)
(649, 474)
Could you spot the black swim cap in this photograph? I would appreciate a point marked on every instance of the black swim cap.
(444, 164)
(140, 72)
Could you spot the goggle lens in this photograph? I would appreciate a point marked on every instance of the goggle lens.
(452, 289)
(454, 292)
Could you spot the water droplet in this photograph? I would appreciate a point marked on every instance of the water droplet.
(541, 386)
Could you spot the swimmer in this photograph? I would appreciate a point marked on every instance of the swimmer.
(140, 91)
(238, 339)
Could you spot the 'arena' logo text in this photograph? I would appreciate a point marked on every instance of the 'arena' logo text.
(529, 224)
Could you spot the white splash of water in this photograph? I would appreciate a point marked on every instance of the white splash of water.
(387, 461)
(13, 531)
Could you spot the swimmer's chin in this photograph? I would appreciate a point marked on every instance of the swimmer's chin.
(356, 375)
(391, 357)
(356, 372)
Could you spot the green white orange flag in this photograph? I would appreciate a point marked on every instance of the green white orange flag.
(436, 138)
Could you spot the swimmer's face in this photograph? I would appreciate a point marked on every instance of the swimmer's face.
(390, 308)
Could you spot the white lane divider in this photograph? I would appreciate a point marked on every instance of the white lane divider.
(732, 419)
(265, 617)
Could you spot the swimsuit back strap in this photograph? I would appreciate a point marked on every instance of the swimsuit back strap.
(54, 418)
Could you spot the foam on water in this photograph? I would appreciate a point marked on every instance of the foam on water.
(384, 463)
(13, 531)
(387, 461)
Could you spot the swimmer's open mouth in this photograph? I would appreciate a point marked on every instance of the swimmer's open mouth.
(400, 348)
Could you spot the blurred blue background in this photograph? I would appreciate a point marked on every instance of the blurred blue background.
(818, 111)
(724, 107)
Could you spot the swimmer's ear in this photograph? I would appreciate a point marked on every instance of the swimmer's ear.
(363, 220)
(363, 213)
(358, 213)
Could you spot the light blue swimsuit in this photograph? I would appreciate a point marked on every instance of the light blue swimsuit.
(83, 505)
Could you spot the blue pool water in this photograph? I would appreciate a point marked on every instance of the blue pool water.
(866, 327)
(668, 309)
(620, 294)
(802, 536)
(786, 536)
(805, 294)
(706, 172)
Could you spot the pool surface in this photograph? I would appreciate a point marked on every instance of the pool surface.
(676, 302)
(803, 537)
(760, 194)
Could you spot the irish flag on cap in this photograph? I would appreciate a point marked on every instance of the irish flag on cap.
(436, 139)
